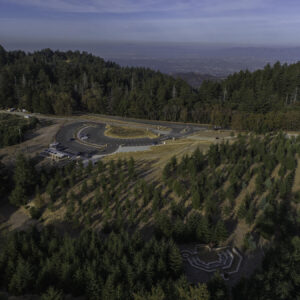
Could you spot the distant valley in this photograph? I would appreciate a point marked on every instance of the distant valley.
(170, 58)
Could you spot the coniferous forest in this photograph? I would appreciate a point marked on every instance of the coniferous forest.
(104, 231)
(14, 128)
(54, 82)
(108, 207)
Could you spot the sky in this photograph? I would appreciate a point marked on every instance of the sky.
(234, 22)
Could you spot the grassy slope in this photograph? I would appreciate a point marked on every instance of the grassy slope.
(148, 167)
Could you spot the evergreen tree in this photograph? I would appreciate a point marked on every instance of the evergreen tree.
(198, 292)
(22, 280)
(24, 179)
(52, 294)
(175, 260)
(220, 232)
(196, 200)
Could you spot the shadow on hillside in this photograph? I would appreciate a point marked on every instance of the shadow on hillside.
(13, 219)
(231, 224)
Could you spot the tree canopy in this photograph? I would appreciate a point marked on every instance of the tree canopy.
(58, 82)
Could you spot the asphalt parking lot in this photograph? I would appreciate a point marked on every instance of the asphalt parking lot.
(95, 132)
(66, 138)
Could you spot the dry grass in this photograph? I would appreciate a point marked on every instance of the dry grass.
(14, 219)
(237, 237)
(128, 132)
(149, 163)
(36, 142)
(215, 134)
(116, 122)
(158, 156)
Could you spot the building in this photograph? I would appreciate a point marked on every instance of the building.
(56, 154)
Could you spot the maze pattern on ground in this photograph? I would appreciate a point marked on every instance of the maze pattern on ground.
(228, 260)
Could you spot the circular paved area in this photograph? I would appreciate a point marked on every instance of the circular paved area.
(95, 132)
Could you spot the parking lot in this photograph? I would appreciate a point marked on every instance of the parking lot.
(96, 142)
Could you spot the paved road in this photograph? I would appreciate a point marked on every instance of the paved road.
(96, 136)
(96, 133)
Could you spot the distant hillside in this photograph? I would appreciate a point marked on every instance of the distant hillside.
(62, 82)
(196, 79)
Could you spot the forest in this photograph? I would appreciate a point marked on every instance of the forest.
(54, 82)
(129, 231)
(13, 129)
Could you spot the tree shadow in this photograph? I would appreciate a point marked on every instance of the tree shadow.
(7, 211)
(231, 224)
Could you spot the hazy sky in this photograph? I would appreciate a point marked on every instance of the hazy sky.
(256, 22)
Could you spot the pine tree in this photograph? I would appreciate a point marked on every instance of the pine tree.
(89, 168)
(51, 189)
(196, 200)
(22, 279)
(108, 289)
(52, 294)
(179, 230)
(24, 179)
(84, 188)
(290, 162)
(156, 293)
(156, 201)
(175, 260)
(18, 196)
(203, 231)
(199, 292)
(131, 170)
(220, 232)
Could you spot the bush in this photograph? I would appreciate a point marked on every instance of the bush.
(35, 213)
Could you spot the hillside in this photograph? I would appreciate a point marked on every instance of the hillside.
(236, 194)
(242, 182)
(215, 209)
(14, 128)
(196, 79)
(64, 82)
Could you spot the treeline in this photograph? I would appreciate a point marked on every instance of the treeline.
(56, 82)
(14, 128)
(264, 100)
(257, 122)
(273, 88)
(63, 82)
